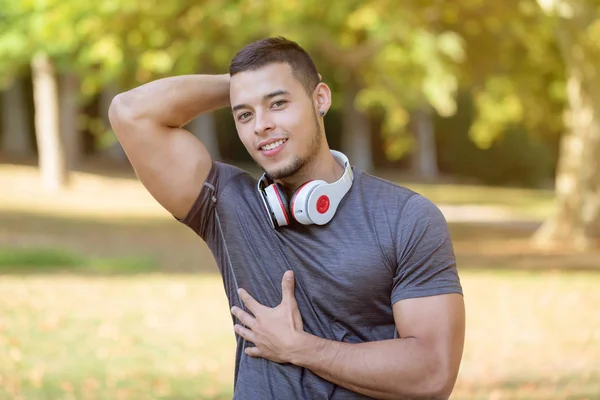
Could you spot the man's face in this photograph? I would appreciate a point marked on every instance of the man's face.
(275, 119)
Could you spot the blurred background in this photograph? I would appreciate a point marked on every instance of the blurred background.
(490, 109)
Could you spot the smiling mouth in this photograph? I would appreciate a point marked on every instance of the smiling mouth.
(273, 145)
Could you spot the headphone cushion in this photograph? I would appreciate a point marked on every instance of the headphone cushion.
(282, 197)
(278, 203)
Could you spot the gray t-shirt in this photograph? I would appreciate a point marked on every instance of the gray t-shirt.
(385, 243)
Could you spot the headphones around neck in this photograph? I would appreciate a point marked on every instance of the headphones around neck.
(315, 202)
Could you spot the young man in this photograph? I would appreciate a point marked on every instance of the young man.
(341, 285)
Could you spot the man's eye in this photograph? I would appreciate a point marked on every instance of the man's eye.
(279, 103)
(243, 116)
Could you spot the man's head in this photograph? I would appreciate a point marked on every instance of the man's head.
(276, 96)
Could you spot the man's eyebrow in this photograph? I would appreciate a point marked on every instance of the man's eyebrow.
(265, 97)
(274, 94)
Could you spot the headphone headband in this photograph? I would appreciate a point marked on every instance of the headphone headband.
(345, 182)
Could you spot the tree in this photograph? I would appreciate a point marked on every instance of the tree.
(51, 147)
(384, 58)
(577, 220)
(535, 63)
(15, 126)
(41, 35)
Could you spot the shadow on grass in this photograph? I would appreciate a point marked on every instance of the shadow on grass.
(100, 244)
(50, 260)
(33, 242)
(508, 245)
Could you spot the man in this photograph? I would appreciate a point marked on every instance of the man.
(341, 285)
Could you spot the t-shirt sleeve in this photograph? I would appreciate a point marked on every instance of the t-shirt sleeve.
(201, 217)
(426, 264)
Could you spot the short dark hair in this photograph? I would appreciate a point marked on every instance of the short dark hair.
(277, 50)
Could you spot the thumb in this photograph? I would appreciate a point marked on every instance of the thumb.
(287, 285)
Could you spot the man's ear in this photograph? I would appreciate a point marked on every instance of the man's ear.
(322, 97)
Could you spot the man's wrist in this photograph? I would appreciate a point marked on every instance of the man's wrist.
(306, 343)
(312, 350)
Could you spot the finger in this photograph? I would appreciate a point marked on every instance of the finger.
(246, 333)
(252, 351)
(287, 286)
(253, 305)
(243, 316)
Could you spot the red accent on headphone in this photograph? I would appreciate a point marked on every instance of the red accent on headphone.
(287, 220)
(323, 204)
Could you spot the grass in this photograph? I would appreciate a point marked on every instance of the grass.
(113, 338)
(529, 336)
(58, 260)
(104, 296)
(122, 196)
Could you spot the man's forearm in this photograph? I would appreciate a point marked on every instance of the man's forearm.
(394, 369)
(174, 101)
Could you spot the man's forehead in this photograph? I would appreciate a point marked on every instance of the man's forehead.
(262, 81)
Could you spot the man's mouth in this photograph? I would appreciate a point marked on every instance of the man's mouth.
(273, 145)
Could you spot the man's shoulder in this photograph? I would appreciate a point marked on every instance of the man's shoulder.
(224, 175)
(393, 197)
(381, 189)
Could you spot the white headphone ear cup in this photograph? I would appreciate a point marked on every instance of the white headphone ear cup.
(299, 203)
(322, 204)
(278, 204)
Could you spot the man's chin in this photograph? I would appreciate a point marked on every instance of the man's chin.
(283, 170)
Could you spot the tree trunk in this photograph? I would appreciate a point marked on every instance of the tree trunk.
(51, 153)
(576, 223)
(115, 152)
(356, 136)
(16, 127)
(204, 127)
(424, 157)
(69, 112)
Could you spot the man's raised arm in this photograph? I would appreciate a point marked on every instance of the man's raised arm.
(169, 161)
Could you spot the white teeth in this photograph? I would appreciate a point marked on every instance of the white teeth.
(273, 145)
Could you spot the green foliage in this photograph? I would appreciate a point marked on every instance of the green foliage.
(402, 56)
(513, 68)
(517, 158)
(498, 105)
(396, 55)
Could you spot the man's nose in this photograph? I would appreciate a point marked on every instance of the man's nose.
(263, 123)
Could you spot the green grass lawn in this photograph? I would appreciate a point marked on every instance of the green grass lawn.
(529, 336)
(98, 299)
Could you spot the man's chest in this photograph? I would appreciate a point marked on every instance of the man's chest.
(341, 271)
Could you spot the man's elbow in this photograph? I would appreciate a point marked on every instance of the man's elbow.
(439, 386)
(436, 385)
(120, 110)
(442, 386)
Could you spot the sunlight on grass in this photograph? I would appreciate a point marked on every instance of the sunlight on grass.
(126, 338)
(88, 195)
(524, 203)
(529, 336)
(116, 197)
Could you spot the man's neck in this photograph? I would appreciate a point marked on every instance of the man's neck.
(322, 167)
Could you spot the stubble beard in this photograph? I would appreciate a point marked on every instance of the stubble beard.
(294, 168)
